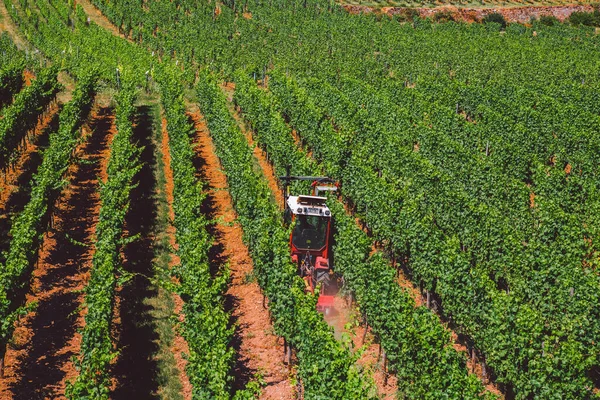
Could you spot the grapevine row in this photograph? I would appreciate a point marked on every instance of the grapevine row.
(417, 346)
(206, 327)
(96, 352)
(29, 225)
(326, 368)
(11, 69)
(11, 81)
(399, 218)
(23, 114)
(78, 45)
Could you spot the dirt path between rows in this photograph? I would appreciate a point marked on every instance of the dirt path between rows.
(7, 25)
(39, 360)
(258, 349)
(14, 183)
(135, 370)
(343, 317)
(96, 16)
(179, 346)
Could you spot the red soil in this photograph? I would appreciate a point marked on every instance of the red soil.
(511, 14)
(10, 180)
(349, 328)
(474, 367)
(39, 360)
(180, 346)
(28, 76)
(98, 18)
(260, 351)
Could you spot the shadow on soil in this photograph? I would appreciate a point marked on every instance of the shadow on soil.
(136, 368)
(241, 372)
(17, 200)
(54, 322)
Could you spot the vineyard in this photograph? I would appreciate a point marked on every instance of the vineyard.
(145, 149)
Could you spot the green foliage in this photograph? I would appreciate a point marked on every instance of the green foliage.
(549, 20)
(443, 132)
(62, 33)
(11, 68)
(206, 325)
(29, 226)
(23, 114)
(97, 352)
(11, 81)
(585, 18)
(495, 18)
(326, 367)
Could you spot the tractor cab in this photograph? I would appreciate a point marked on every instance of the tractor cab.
(312, 223)
(311, 237)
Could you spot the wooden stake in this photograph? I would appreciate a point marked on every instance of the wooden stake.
(384, 364)
(2, 363)
(484, 372)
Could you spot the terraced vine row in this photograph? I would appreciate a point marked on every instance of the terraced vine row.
(11, 70)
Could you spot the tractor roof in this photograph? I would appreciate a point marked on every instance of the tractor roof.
(309, 205)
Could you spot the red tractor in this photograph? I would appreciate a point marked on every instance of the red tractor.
(312, 236)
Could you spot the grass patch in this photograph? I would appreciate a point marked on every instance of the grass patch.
(163, 305)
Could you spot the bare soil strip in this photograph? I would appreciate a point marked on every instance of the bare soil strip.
(259, 350)
(39, 359)
(178, 345)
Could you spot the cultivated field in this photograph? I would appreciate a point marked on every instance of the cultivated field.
(144, 248)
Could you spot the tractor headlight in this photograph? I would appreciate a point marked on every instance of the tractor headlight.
(299, 210)
(327, 213)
